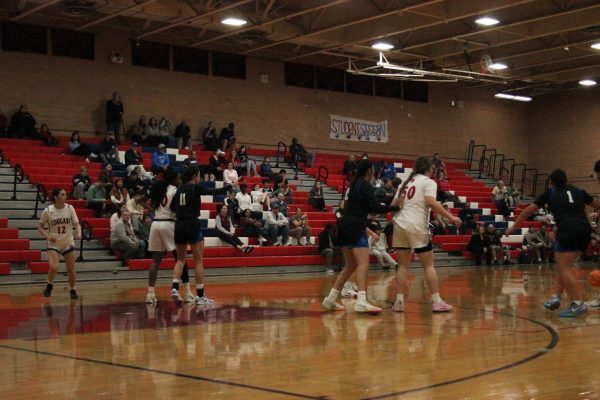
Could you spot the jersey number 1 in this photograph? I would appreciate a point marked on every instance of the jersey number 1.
(182, 199)
(570, 196)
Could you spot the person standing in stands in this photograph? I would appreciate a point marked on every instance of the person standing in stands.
(227, 137)
(183, 134)
(61, 219)
(22, 124)
(114, 116)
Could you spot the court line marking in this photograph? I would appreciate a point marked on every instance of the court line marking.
(176, 374)
(553, 342)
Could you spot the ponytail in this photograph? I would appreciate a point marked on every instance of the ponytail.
(421, 166)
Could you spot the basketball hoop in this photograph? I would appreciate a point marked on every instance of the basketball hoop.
(484, 63)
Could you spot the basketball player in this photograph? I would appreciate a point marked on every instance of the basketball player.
(411, 230)
(352, 237)
(60, 218)
(162, 233)
(186, 205)
(567, 204)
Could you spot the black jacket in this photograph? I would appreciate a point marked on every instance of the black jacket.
(132, 158)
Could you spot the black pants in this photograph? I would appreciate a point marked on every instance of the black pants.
(82, 150)
(232, 240)
(317, 202)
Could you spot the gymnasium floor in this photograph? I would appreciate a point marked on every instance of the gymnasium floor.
(268, 339)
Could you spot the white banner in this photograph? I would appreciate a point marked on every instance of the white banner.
(358, 130)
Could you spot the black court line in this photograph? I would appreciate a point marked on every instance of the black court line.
(176, 374)
(553, 342)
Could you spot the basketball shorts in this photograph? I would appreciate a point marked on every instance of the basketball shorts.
(420, 242)
(573, 235)
(62, 247)
(362, 242)
(162, 236)
(188, 231)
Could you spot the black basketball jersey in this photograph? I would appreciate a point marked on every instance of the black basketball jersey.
(186, 202)
(566, 202)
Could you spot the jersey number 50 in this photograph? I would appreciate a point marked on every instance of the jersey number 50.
(411, 192)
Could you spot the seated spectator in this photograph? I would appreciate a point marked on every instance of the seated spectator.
(328, 248)
(265, 168)
(315, 197)
(377, 180)
(96, 198)
(246, 162)
(276, 224)
(266, 188)
(548, 244)
(165, 128)
(134, 182)
(493, 242)
(533, 243)
(137, 207)
(80, 149)
(142, 129)
(349, 167)
(477, 244)
(299, 227)
(278, 179)
(385, 194)
(299, 154)
(440, 166)
(244, 199)
(227, 137)
(443, 192)
(504, 207)
(81, 183)
(209, 137)
(3, 125)
(237, 163)
(191, 160)
(592, 252)
(234, 207)
(115, 218)
(109, 153)
(22, 124)
(160, 159)
(280, 201)
(215, 165)
(124, 240)
(226, 231)
(378, 248)
(287, 192)
(230, 175)
(543, 215)
(133, 133)
(260, 198)
(144, 230)
(152, 133)
(443, 224)
(514, 195)
(467, 216)
(119, 196)
(339, 212)
(106, 176)
(133, 157)
(251, 226)
(47, 137)
(498, 192)
(183, 134)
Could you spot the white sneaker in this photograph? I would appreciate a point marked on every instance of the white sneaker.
(93, 155)
(277, 243)
(176, 296)
(349, 293)
(203, 301)
(366, 307)
(262, 240)
(330, 271)
(331, 305)
(151, 298)
(189, 297)
(398, 306)
(594, 304)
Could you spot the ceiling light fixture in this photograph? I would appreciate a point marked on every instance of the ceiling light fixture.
(512, 97)
(487, 21)
(234, 21)
(522, 98)
(596, 46)
(382, 46)
(497, 66)
(587, 82)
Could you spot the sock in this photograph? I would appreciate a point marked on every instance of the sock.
(175, 284)
(436, 298)
(362, 296)
(333, 295)
(400, 297)
(187, 287)
(200, 290)
(151, 289)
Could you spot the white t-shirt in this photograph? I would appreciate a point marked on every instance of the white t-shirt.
(60, 221)
(414, 216)
(230, 176)
(164, 208)
(244, 200)
(499, 193)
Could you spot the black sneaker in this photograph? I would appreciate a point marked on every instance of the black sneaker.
(73, 294)
(48, 290)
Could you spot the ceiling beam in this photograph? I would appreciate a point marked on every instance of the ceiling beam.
(273, 21)
(562, 71)
(35, 9)
(193, 19)
(127, 10)
(268, 8)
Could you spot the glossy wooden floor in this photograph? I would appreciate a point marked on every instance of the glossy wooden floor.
(268, 339)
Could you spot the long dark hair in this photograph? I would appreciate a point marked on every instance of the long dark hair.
(362, 168)
(422, 165)
(159, 189)
(559, 178)
(189, 173)
(73, 135)
(55, 193)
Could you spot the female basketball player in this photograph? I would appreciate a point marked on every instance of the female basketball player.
(162, 233)
(567, 204)
(61, 218)
(411, 230)
(352, 236)
(186, 205)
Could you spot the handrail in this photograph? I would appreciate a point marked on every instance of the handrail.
(502, 176)
(40, 196)
(320, 176)
(18, 177)
(524, 177)
(1, 157)
(280, 145)
(483, 157)
(470, 161)
(493, 164)
(502, 168)
(470, 151)
(481, 167)
(535, 183)
(87, 233)
(512, 171)
(344, 187)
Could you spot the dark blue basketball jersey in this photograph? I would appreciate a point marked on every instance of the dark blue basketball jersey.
(186, 202)
(565, 203)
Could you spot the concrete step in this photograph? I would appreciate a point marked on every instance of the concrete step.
(21, 195)
(24, 223)
(9, 178)
(94, 256)
(22, 214)
(19, 204)
(39, 243)
(21, 186)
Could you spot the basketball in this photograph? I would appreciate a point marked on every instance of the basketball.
(594, 278)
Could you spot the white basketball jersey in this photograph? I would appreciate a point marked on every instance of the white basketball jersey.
(164, 208)
(414, 216)
(60, 222)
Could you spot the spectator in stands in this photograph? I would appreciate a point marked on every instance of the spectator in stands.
(144, 231)
(592, 252)
(226, 231)
(247, 162)
(498, 192)
(316, 198)
(124, 240)
(378, 248)
(244, 199)
(265, 168)
(259, 199)
(119, 196)
(276, 224)
(377, 180)
(349, 167)
(251, 226)
(533, 243)
(133, 133)
(385, 194)
(109, 153)
(142, 129)
(278, 179)
(133, 159)
(165, 128)
(339, 212)
(504, 207)
(137, 207)
(443, 224)
(214, 165)
(548, 245)
(160, 159)
(3, 125)
(328, 248)
(96, 198)
(133, 182)
(81, 183)
(114, 115)
(299, 153)
(443, 189)
(440, 166)
(22, 124)
(227, 137)
(191, 160)
(493, 242)
(266, 188)
(234, 206)
(106, 176)
(183, 134)
(467, 216)
(299, 227)
(153, 133)
(237, 163)
(115, 218)
(280, 201)
(79, 149)
(543, 215)
(230, 175)
(209, 137)
(515, 195)
(287, 192)
(477, 244)
(47, 137)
